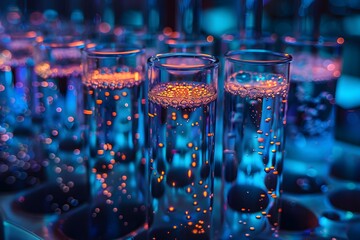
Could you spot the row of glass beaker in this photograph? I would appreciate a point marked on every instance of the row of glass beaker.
(89, 118)
(168, 154)
(94, 138)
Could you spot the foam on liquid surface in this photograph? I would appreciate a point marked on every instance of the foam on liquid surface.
(307, 67)
(182, 94)
(255, 85)
(44, 70)
(67, 64)
(109, 79)
(19, 54)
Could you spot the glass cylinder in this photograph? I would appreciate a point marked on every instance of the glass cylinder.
(188, 18)
(311, 111)
(114, 94)
(256, 85)
(17, 62)
(59, 111)
(20, 160)
(235, 41)
(247, 38)
(250, 18)
(200, 45)
(182, 96)
(58, 70)
(247, 35)
(307, 18)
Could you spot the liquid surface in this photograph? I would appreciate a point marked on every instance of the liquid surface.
(44, 70)
(307, 67)
(108, 79)
(20, 53)
(182, 94)
(254, 85)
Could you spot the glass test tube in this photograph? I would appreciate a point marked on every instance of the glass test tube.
(114, 94)
(311, 110)
(182, 108)
(20, 158)
(58, 96)
(256, 85)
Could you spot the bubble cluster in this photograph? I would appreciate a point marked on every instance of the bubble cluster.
(108, 78)
(66, 53)
(182, 94)
(20, 55)
(256, 85)
(45, 71)
(307, 67)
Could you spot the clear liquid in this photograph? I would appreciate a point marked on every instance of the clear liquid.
(182, 126)
(310, 119)
(116, 137)
(16, 77)
(16, 95)
(59, 110)
(20, 160)
(254, 115)
(60, 100)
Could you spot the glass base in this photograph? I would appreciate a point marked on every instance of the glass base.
(50, 199)
(12, 231)
(79, 224)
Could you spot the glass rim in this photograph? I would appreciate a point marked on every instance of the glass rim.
(173, 42)
(236, 37)
(61, 42)
(308, 41)
(26, 35)
(29, 36)
(279, 58)
(109, 50)
(155, 61)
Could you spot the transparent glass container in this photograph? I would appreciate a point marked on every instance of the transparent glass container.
(256, 85)
(182, 97)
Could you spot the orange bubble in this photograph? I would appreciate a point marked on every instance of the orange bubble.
(210, 38)
(104, 27)
(340, 40)
(87, 112)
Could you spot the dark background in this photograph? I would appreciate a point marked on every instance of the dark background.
(339, 18)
